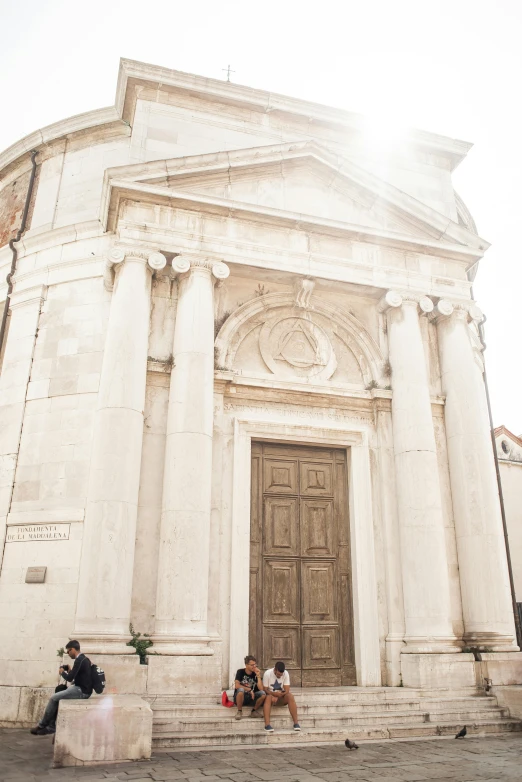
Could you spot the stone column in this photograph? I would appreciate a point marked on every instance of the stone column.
(391, 536)
(426, 592)
(484, 579)
(182, 598)
(105, 583)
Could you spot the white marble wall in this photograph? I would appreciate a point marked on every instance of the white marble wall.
(51, 371)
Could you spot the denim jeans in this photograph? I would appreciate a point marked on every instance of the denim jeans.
(51, 710)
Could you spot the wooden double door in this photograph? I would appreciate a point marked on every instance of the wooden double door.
(300, 572)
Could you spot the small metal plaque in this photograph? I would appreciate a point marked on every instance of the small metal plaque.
(35, 575)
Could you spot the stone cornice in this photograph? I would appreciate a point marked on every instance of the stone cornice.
(340, 171)
(28, 296)
(134, 75)
(122, 189)
(241, 389)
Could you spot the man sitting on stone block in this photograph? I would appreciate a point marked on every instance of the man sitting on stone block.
(276, 682)
(248, 689)
(81, 688)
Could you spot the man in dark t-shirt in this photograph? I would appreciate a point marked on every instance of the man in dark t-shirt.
(248, 688)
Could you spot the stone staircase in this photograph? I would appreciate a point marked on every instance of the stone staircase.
(330, 715)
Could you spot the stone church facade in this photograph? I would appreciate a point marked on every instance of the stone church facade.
(242, 404)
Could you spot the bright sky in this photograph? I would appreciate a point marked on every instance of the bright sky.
(447, 66)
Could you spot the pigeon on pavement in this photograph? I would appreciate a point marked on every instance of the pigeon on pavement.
(350, 744)
(461, 733)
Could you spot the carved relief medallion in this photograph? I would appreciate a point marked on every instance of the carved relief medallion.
(298, 344)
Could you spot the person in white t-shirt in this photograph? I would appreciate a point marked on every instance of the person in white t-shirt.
(276, 684)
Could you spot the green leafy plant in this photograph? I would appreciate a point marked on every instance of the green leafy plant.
(60, 652)
(140, 642)
(372, 384)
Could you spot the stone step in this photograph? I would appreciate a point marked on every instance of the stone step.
(337, 695)
(234, 738)
(415, 706)
(326, 722)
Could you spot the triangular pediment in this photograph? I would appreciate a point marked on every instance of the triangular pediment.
(509, 445)
(301, 180)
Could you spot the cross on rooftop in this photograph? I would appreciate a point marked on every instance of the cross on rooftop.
(228, 71)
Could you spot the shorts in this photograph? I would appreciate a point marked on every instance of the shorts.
(248, 700)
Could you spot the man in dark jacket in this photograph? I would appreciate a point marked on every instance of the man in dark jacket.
(81, 688)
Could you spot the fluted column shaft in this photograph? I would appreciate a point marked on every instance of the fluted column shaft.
(182, 597)
(484, 579)
(105, 582)
(425, 576)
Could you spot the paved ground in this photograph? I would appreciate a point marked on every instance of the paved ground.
(26, 758)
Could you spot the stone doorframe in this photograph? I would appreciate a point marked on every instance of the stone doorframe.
(364, 586)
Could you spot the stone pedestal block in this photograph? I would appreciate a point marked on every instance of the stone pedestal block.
(438, 670)
(107, 729)
(501, 667)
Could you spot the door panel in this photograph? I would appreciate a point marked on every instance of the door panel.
(321, 647)
(281, 526)
(316, 478)
(281, 591)
(300, 566)
(318, 534)
(282, 643)
(280, 477)
(319, 588)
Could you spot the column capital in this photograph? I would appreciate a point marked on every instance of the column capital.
(395, 299)
(462, 310)
(183, 264)
(154, 259)
(471, 316)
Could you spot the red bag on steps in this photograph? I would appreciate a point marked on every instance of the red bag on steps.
(225, 701)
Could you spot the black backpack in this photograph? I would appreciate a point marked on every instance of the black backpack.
(97, 679)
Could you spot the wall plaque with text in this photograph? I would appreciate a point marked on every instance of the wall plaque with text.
(34, 532)
(35, 575)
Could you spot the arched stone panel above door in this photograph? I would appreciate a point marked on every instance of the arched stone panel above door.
(298, 337)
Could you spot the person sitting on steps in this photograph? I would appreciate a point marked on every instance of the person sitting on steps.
(276, 683)
(248, 688)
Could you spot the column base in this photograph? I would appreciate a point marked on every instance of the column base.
(184, 675)
(394, 645)
(181, 646)
(423, 645)
(124, 674)
(104, 643)
(438, 671)
(490, 642)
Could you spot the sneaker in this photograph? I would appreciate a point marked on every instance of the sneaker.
(256, 713)
(297, 726)
(269, 729)
(239, 714)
